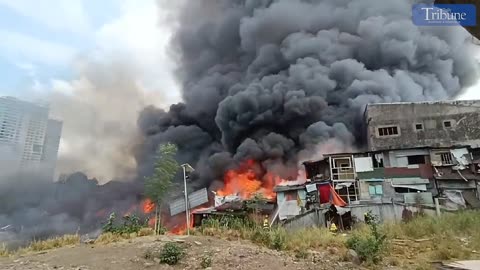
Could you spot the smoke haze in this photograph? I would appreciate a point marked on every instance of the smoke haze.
(99, 112)
(274, 81)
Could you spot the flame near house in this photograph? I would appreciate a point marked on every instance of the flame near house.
(244, 182)
(247, 181)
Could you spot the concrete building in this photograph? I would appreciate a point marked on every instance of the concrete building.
(417, 153)
(422, 124)
(29, 140)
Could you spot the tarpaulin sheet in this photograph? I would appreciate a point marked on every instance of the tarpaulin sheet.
(461, 155)
(363, 164)
(324, 193)
(455, 196)
(336, 199)
(288, 209)
(311, 187)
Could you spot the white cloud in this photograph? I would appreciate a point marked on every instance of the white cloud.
(21, 48)
(138, 35)
(60, 15)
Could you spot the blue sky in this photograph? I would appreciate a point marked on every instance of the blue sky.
(49, 50)
(41, 39)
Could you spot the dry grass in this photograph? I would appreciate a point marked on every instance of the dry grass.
(453, 236)
(145, 232)
(276, 237)
(61, 241)
(313, 238)
(412, 245)
(107, 238)
(460, 223)
(4, 252)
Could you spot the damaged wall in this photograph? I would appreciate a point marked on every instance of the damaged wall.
(429, 124)
(313, 218)
(387, 212)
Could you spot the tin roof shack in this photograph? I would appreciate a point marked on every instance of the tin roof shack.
(456, 177)
(399, 175)
(291, 200)
(422, 124)
(252, 210)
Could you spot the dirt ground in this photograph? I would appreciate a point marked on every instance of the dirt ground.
(129, 255)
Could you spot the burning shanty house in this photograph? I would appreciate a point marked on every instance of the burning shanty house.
(254, 208)
(417, 152)
(246, 190)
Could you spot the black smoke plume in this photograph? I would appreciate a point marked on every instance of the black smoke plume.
(275, 80)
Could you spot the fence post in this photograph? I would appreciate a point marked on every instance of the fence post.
(437, 207)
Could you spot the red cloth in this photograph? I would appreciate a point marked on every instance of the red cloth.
(324, 193)
(336, 199)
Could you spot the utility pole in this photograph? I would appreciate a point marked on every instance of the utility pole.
(186, 167)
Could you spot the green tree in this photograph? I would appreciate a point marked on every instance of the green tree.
(158, 184)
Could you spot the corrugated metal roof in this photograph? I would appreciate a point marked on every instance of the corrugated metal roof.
(456, 184)
(375, 174)
(287, 188)
(447, 173)
(195, 199)
(410, 181)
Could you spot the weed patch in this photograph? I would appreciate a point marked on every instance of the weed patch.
(370, 246)
(66, 240)
(206, 261)
(131, 224)
(171, 253)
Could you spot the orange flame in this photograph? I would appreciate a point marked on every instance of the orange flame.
(148, 206)
(245, 183)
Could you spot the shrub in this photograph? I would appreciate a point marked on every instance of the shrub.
(171, 253)
(369, 247)
(260, 236)
(278, 239)
(206, 261)
(131, 224)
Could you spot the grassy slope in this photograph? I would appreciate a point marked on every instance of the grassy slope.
(412, 245)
